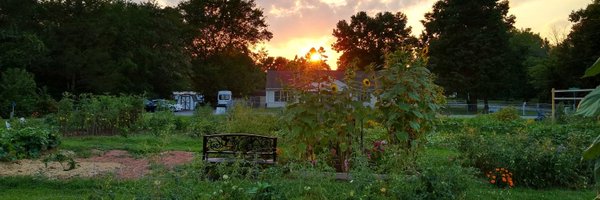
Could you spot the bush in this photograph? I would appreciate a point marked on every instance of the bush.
(17, 85)
(243, 119)
(25, 141)
(205, 122)
(158, 123)
(432, 182)
(540, 155)
(507, 114)
(88, 114)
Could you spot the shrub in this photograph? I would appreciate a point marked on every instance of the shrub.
(205, 122)
(507, 114)
(88, 114)
(433, 182)
(540, 155)
(26, 141)
(158, 123)
(244, 119)
(18, 86)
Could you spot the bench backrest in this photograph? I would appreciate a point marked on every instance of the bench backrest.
(247, 145)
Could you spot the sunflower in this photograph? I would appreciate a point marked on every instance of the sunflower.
(366, 82)
(334, 88)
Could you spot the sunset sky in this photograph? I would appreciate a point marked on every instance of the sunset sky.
(298, 25)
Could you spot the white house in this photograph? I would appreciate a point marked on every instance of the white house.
(278, 81)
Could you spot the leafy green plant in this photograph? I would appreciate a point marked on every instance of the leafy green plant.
(26, 141)
(430, 179)
(204, 122)
(244, 119)
(540, 155)
(408, 98)
(507, 114)
(325, 118)
(159, 123)
(593, 70)
(61, 158)
(18, 86)
(88, 114)
(590, 107)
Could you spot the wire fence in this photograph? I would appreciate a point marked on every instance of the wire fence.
(524, 109)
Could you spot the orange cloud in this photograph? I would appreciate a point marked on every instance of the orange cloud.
(298, 25)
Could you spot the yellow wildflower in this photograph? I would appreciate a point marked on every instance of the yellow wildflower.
(366, 82)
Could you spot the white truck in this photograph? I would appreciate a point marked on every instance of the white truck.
(224, 101)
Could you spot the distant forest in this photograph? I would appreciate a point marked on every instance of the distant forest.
(48, 47)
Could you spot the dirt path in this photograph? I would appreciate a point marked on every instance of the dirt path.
(117, 162)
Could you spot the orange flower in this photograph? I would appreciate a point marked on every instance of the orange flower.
(492, 181)
(494, 177)
(503, 179)
(497, 169)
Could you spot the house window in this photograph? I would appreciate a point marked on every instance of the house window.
(281, 96)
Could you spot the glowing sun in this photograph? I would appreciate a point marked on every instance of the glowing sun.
(315, 57)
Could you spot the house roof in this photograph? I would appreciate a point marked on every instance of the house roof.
(281, 79)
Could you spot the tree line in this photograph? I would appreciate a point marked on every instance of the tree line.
(116, 46)
(48, 47)
(475, 50)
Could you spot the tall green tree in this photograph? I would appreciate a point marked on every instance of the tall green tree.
(232, 70)
(101, 46)
(365, 40)
(220, 25)
(20, 49)
(17, 86)
(468, 44)
(220, 34)
(568, 61)
(528, 50)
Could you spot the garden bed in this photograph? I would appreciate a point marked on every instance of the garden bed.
(117, 162)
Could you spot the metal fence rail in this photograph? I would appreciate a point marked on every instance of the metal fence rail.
(524, 109)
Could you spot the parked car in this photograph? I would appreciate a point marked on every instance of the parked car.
(161, 104)
(149, 105)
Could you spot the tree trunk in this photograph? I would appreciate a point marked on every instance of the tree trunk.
(472, 104)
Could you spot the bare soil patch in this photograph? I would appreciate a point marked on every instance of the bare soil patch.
(117, 162)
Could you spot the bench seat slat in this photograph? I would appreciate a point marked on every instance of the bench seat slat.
(219, 148)
(230, 160)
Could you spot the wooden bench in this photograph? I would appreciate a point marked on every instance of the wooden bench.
(220, 148)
